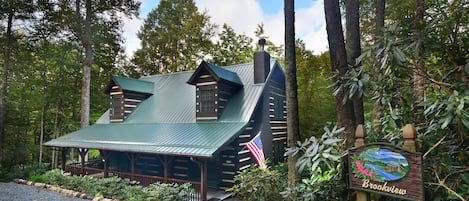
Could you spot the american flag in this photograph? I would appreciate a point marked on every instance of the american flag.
(255, 147)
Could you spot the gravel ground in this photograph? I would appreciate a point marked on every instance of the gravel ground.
(19, 192)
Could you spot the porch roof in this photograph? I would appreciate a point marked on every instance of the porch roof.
(188, 139)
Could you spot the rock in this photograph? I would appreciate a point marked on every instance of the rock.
(40, 185)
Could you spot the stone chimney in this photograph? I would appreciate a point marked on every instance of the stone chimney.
(261, 63)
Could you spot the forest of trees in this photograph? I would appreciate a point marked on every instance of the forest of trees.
(390, 63)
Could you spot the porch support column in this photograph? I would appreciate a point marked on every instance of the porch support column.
(64, 158)
(165, 161)
(105, 161)
(82, 152)
(131, 156)
(166, 169)
(132, 166)
(203, 179)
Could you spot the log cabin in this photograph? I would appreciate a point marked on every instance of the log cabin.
(189, 126)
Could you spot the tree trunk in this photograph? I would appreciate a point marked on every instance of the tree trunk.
(6, 71)
(41, 137)
(58, 106)
(419, 62)
(86, 81)
(86, 42)
(344, 111)
(379, 26)
(85, 95)
(291, 90)
(353, 48)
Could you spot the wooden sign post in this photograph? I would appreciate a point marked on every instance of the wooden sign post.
(360, 141)
(385, 169)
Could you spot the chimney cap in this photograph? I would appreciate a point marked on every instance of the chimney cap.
(262, 44)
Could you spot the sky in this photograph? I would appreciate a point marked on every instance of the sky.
(244, 16)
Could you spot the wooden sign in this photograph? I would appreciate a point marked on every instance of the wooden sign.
(386, 169)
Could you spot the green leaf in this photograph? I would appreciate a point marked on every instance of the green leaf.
(446, 121)
(465, 122)
(330, 156)
(398, 54)
(315, 150)
(332, 141)
(315, 165)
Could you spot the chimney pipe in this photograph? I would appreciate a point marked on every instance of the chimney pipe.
(261, 63)
(262, 44)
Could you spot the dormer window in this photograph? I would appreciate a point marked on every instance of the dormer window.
(214, 86)
(207, 100)
(117, 105)
(125, 95)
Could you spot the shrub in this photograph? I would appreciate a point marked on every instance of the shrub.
(162, 191)
(22, 171)
(55, 177)
(117, 188)
(319, 160)
(37, 178)
(93, 154)
(257, 183)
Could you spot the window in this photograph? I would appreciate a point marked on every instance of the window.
(116, 107)
(206, 100)
(278, 107)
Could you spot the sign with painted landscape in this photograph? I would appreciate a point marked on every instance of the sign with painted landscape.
(386, 169)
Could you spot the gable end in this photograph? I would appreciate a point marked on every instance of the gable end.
(125, 95)
(214, 87)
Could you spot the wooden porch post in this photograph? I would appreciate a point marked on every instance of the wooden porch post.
(82, 152)
(105, 168)
(64, 158)
(132, 166)
(165, 161)
(203, 179)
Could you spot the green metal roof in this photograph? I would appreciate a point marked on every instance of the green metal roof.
(166, 123)
(129, 84)
(219, 73)
(202, 139)
(225, 74)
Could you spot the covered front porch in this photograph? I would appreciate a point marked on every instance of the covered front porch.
(145, 169)
(148, 153)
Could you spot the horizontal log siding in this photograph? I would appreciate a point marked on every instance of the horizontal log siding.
(236, 157)
(228, 159)
(127, 102)
(149, 164)
(116, 99)
(278, 121)
(185, 169)
(224, 93)
(131, 101)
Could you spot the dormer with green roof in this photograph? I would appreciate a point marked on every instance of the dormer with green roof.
(214, 87)
(125, 94)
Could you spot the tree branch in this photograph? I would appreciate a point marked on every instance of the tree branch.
(434, 146)
(441, 183)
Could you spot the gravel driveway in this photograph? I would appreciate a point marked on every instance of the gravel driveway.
(13, 192)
